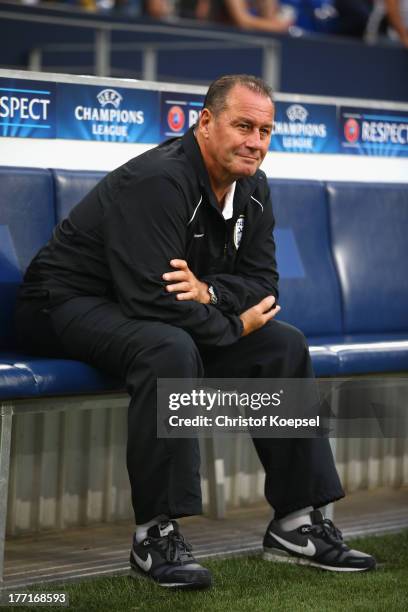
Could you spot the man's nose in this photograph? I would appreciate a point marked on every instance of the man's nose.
(254, 140)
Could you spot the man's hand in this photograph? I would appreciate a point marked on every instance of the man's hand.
(258, 315)
(187, 286)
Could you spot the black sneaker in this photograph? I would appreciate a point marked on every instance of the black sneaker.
(320, 545)
(166, 557)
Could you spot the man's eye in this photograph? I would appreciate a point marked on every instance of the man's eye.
(265, 132)
(244, 126)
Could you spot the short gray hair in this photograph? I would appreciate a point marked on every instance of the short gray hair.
(216, 98)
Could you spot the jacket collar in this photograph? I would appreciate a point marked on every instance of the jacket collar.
(245, 186)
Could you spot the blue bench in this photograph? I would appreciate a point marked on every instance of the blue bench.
(341, 249)
(31, 203)
(309, 289)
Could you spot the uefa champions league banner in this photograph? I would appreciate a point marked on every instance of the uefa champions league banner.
(44, 109)
(305, 128)
(107, 114)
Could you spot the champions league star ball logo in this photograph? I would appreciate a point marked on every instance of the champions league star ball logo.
(109, 96)
(351, 130)
(296, 112)
(176, 118)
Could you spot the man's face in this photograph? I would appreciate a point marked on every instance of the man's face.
(237, 139)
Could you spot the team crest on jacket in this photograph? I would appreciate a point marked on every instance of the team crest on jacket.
(238, 229)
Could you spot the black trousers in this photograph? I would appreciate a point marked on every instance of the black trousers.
(164, 473)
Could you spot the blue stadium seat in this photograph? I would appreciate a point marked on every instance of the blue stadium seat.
(309, 289)
(31, 376)
(368, 225)
(27, 218)
(71, 186)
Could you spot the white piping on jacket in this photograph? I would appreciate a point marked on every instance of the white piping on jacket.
(195, 210)
(257, 201)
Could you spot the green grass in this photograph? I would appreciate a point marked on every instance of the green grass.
(251, 584)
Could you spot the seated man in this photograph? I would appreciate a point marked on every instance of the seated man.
(167, 269)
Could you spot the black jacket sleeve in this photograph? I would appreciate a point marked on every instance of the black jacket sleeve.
(255, 275)
(145, 226)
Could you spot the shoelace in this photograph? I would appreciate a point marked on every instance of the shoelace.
(327, 527)
(176, 548)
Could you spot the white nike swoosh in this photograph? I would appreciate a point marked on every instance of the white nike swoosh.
(166, 529)
(145, 565)
(309, 549)
(198, 235)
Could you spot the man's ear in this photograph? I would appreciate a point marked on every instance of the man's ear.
(205, 119)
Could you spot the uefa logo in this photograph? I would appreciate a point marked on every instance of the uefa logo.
(109, 96)
(351, 130)
(176, 118)
(296, 112)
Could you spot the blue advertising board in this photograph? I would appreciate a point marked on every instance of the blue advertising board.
(304, 128)
(107, 114)
(382, 133)
(179, 111)
(27, 109)
(44, 109)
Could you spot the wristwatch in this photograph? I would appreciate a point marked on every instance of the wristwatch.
(213, 296)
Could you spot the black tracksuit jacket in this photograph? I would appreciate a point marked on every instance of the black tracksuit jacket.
(118, 241)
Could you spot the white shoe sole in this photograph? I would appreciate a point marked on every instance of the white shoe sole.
(136, 573)
(279, 556)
